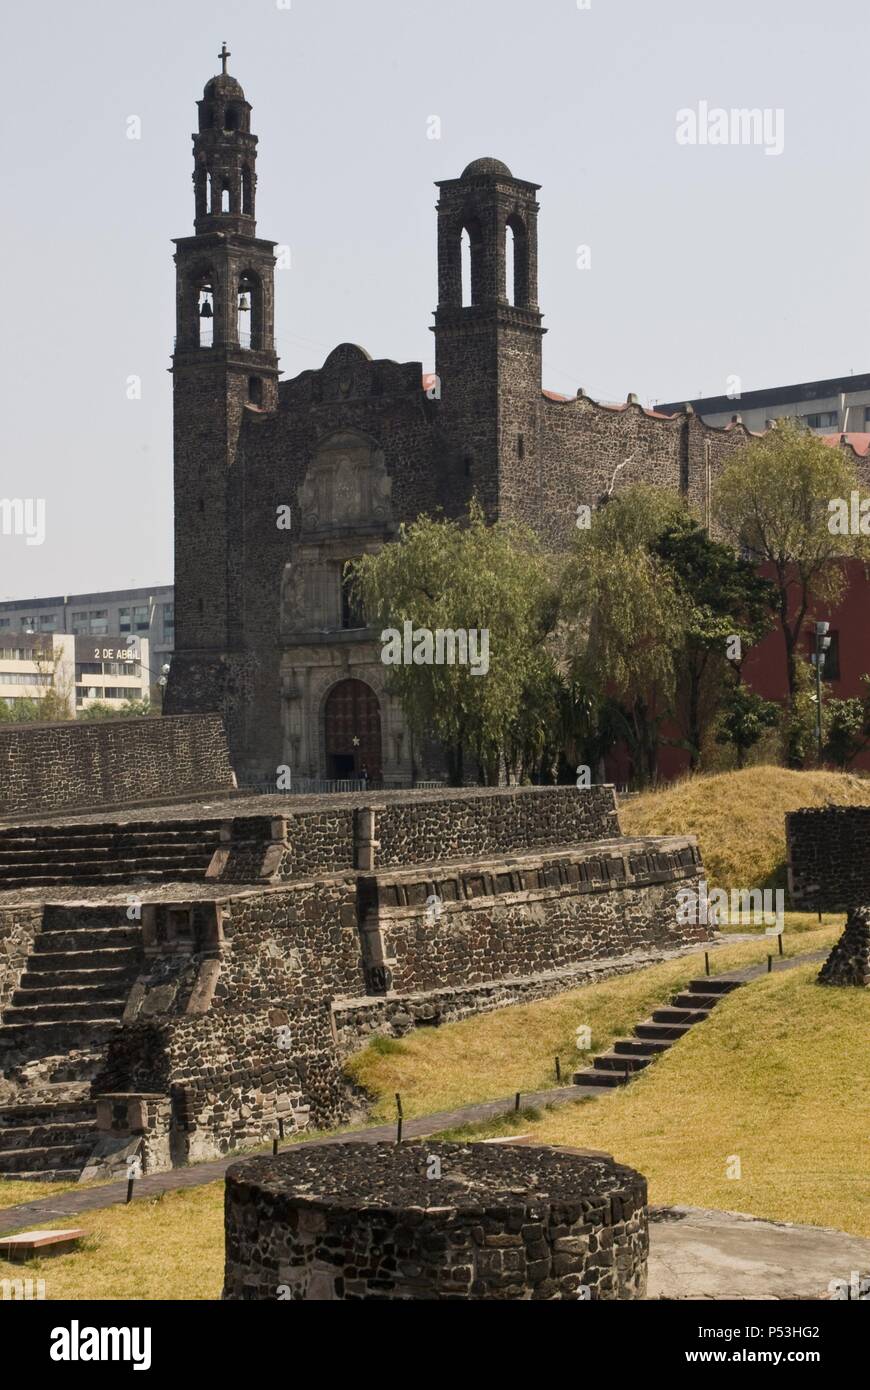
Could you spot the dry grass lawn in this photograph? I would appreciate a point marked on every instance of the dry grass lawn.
(778, 1077)
(739, 817)
(171, 1248)
(513, 1049)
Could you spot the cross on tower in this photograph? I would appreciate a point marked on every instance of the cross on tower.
(223, 55)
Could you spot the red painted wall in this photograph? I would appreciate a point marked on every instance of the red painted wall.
(765, 669)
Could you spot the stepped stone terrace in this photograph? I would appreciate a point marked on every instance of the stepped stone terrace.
(177, 980)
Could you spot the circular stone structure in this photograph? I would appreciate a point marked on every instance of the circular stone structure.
(435, 1221)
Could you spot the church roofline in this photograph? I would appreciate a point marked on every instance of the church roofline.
(619, 408)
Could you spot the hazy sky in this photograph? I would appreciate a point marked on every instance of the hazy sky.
(707, 261)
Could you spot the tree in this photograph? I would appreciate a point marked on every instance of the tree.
(847, 727)
(799, 723)
(130, 709)
(463, 576)
(773, 502)
(745, 716)
(725, 600)
(626, 619)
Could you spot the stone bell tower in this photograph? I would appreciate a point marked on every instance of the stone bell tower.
(224, 364)
(488, 334)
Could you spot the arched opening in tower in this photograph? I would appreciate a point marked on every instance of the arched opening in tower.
(205, 312)
(466, 267)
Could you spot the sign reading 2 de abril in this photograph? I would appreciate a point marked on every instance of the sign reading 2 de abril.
(91, 649)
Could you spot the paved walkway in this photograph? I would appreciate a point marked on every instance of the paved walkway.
(68, 1205)
(701, 1254)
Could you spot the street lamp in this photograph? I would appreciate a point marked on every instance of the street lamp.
(823, 646)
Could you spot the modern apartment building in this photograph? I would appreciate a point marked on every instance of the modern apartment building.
(32, 665)
(838, 405)
(112, 619)
(81, 671)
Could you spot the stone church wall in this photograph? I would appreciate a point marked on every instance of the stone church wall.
(49, 767)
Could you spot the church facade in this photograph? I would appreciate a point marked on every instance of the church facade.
(278, 484)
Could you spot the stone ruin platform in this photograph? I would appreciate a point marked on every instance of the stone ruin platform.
(204, 966)
(435, 1221)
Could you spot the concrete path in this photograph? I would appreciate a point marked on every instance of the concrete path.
(698, 1254)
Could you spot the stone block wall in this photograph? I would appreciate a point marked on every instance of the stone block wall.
(496, 1221)
(51, 767)
(492, 821)
(408, 828)
(229, 1076)
(829, 857)
(357, 1020)
(19, 927)
(232, 1016)
(490, 922)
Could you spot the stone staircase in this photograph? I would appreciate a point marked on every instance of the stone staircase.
(657, 1033)
(69, 1001)
(87, 852)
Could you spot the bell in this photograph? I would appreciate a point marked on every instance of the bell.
(205, 312)
(244, 304)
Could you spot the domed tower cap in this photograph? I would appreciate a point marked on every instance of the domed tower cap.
(223, 86)
(486, 168)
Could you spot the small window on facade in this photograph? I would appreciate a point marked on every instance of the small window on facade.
(352, 616)
(255, 390)
(521, 446)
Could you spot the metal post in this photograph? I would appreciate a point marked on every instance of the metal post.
(558, 1072)
(399, 1119)
(517, 1102)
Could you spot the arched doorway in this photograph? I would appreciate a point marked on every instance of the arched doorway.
(353, 731)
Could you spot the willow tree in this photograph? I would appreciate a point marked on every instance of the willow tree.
(725, 598)
(625, 619)
(777, 502)
(464, 576)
